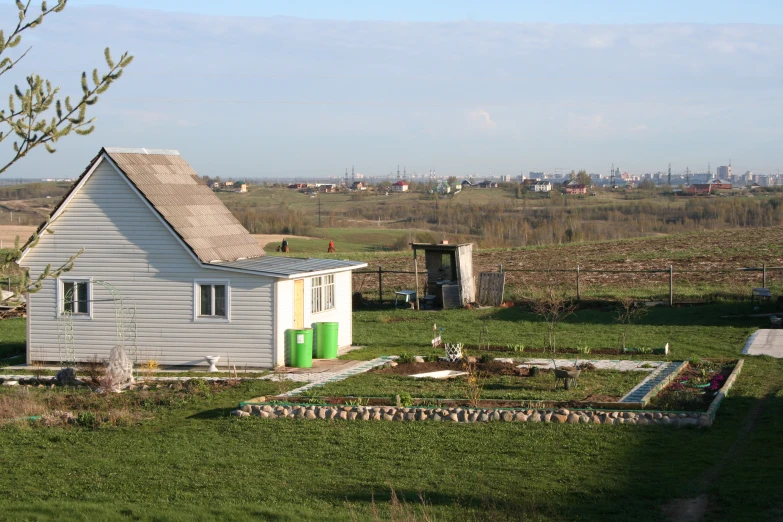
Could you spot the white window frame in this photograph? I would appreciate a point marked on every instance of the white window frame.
(197, 301)
(319, 288)
(61, 297)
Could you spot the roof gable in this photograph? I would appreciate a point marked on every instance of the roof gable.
(175, 192)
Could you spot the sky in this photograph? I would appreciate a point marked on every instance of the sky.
(306, 89)
(525, 11)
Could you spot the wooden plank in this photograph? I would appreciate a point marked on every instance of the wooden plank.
(451, 296)
(491, 288)
(299, 303)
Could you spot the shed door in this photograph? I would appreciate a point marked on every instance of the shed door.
(299, 303)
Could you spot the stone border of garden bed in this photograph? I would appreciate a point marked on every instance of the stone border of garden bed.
(469, 415)
(724, 391)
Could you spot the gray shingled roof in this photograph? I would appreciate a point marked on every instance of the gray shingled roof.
(288, 266)
(179, 194)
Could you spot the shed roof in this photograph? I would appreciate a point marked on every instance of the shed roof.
(182, 198)
(278, 266)
(449, 247)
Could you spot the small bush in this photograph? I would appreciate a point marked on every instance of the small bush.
(406, 400)
(87, 419)
(433, 357)
(405, 358)
(486, 358)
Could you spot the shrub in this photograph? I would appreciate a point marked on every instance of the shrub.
(405, 358)
(87, 419)
(406, 400)
(486, 358)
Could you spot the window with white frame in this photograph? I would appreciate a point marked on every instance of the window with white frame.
(75, 298)
(212, 299)
(323, 293)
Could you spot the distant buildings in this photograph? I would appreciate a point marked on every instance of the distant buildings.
(542, 186)
(486, 184)
(575, 188)
(720, 183)
(724, 172)
(400, 186)
(699, 189)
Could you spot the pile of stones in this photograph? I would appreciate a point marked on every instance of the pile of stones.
(466, 415)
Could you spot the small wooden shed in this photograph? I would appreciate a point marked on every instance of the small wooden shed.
(449, 273)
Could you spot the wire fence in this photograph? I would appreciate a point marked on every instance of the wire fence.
(668, 284)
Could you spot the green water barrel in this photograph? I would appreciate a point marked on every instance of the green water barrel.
(326, 340)
(301, 348)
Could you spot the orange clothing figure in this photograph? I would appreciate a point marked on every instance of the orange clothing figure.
(331, 247)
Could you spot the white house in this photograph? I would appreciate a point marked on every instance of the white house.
(400, 186)
(542, 186)
(193, 281)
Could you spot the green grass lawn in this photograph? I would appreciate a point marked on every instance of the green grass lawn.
(192, 460)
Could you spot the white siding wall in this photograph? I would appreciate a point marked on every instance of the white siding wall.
(343, 312)
(127, 245)
(284, 318)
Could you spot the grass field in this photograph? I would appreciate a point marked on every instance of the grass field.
(190, 460)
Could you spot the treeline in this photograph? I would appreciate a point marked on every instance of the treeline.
(508, 222)
(505, 223)
(276, 220)
(34, 190)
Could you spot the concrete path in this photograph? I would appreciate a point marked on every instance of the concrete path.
(625, 365)
(765, 342)
(319, 379)
(658, 378)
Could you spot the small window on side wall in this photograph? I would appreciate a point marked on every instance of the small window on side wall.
(323, 293)
(212, 300)
(75, 298)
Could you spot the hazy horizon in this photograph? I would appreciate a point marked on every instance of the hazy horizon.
(282, 96)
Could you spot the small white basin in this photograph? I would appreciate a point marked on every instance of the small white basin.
(442, 374)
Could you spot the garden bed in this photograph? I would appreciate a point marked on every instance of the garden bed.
(582, 352)
(695, 387)
(504, 385)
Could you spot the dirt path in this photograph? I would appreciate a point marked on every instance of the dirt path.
(696, 509)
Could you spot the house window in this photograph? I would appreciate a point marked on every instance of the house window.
(323, 293)
(212, 299)
(75, 298)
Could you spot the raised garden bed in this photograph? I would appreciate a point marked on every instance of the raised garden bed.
(575, 351)
(695, 388)
(505, 385)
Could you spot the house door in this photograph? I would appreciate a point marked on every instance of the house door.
(299, 303)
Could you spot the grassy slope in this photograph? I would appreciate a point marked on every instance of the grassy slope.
(196, 462)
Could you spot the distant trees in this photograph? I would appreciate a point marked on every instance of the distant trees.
(583, 178)
(536, 220)
(647, 184)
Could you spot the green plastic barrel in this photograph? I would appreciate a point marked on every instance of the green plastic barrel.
(326, 340)
(301, 348)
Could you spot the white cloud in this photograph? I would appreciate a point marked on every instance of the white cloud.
(482, 120)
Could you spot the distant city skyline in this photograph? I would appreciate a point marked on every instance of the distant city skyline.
(295, 97)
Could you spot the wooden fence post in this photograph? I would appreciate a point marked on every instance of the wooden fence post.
(416, 270)
(671, 285)
(380, 284)
(578, 288)
(764, 276)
